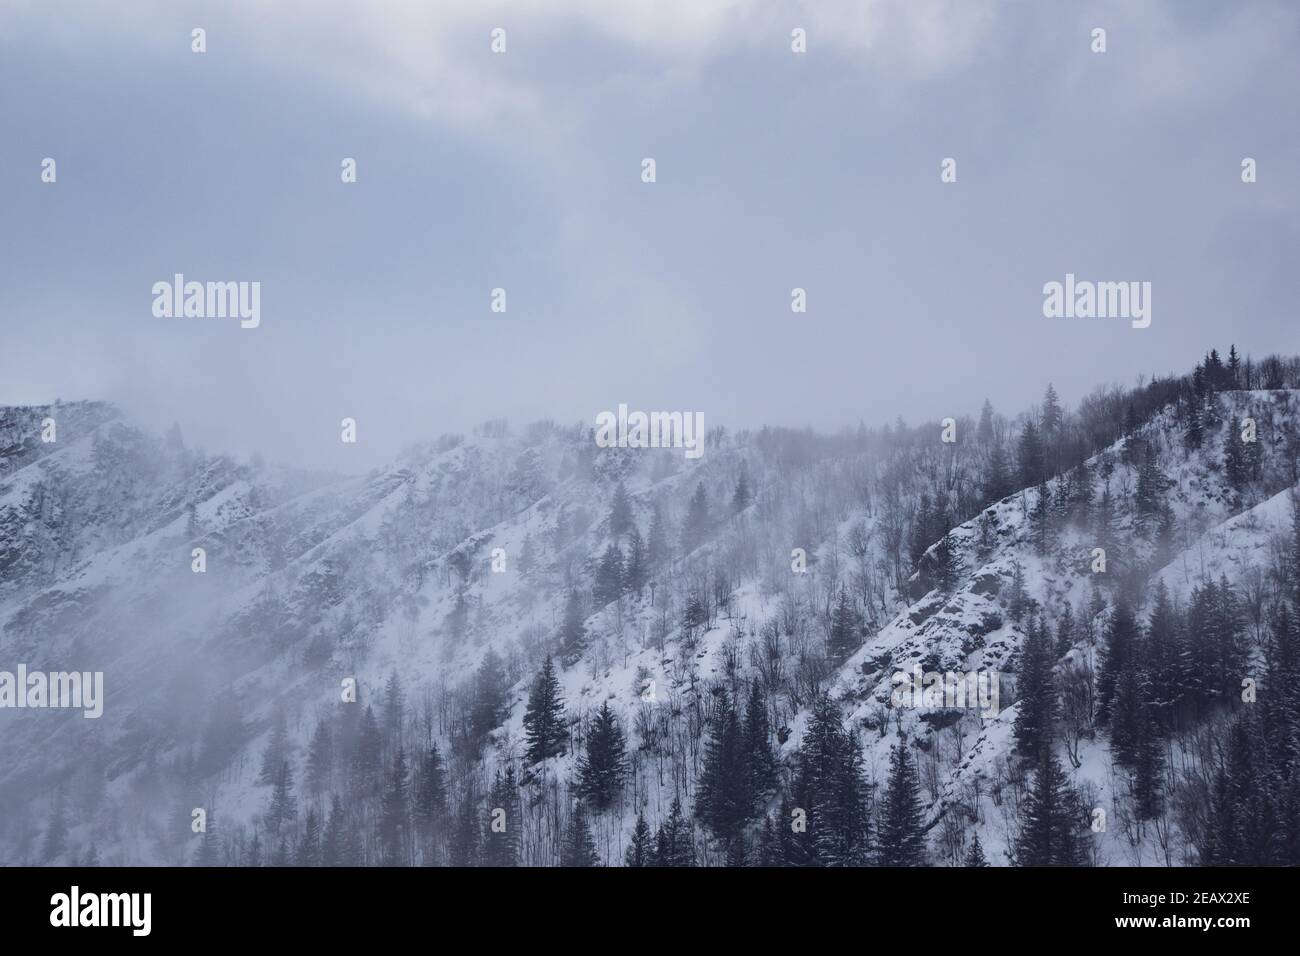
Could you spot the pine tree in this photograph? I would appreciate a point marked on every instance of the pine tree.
(997, 478)
(367, 759)
(1017, 598)
(491, 691)
(394, 705)
(1149, 495)
(277, 750)
(846, 629)
(1120, 653)
(394, 821)
(283, 807)
(620, 512)
(603, 768)
(675, 839)
(657, 541)
(830, 787)
(947, 564)
(722, 800)
(528, 555)
(545, 728)
(695, 529)
(1065, 631)
(573, 631)
(309, 847)
(1050, 825)
(320, 758)
(762, 768)
(636, 570)
(578, 849)
(901, 837)
(208, 852)
(1036, 710)
(1041, 519)
(1234, 459)
(430, 790)
(640, 851)
(742, 496)
(769, 849)
(463, 849)
(984, 431)
(1029, 456)
(975, 855)
(501, 841)
(609, 577)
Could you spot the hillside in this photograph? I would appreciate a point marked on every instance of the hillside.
(670, 589)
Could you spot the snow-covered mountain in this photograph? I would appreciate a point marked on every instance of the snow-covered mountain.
(229, 604)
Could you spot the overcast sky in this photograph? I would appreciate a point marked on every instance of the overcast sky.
(522, 170)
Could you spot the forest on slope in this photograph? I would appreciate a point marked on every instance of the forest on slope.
(572, 655)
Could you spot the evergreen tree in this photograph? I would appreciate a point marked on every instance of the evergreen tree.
(609, 577)
(1029, 456)
(846, 628)
(394, 821)
(208, 852)
(723, 799)
(636, 569)
(1041, 519)
(830, 787)
(1053, 418)
(335, 843)
(657, 541)
(947, 564)
(675, 839)
(501, 841)
(491, 698)
(1050, 819)
(975, 855)
(603, 768)
(1036, 710)
(695, 529)
(901, 838)
(545, 728)
(394, 706)
(367, 759)
(309, 847)
(430, 790)
(463, 849)
(640, 851)
(277, 750)
(283, 807)
(578, 849)
(1120, 653)
(320, 758)
(984, 431)
(997, 477)
(620, 512)
(1149, 496)
(573, 630)
(1234, 458)
(769, 850)
(762, 767)
(1065, 631)
(742, 496)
